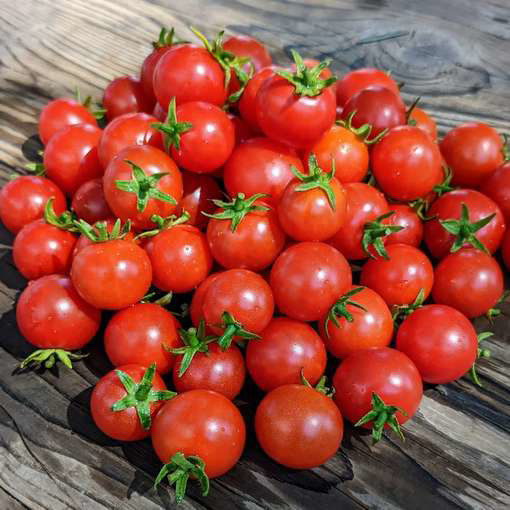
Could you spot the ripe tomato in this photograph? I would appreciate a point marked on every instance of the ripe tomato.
(424, 121)
(22, 201)
(298, 426)
(448, 208)
(89, 202)
(307, 278)
(242, 130)
(505, 249)
(125, 95)
(246, 46)
(406, 163)
(412, 226)
(399, 279)
(260, 165)
(440, 341)
(142, 334)
(70, 157)
(359, 320)
(469, 281)
(473, 151)
(497, 187)
(196, 312)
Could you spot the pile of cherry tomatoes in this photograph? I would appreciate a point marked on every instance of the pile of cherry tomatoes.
(248, 189)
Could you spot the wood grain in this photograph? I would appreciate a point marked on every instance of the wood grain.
(457, 453)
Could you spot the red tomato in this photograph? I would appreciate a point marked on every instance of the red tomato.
(363, 321)
(298, 427)
(440, 341)
(399, 279)
(89, 202)
(246, 46)
(406, 163)
(22, 201)
(142, 334)
(51, 315)
(473, 151)
(412, 231)
(497, 187)
(197, 301)
(307, 278)
(242, 130)
(448, 207)
(70, 157)
(125, 95)
(505, 249)
(469, 281)
(425, 122)
(286, 348)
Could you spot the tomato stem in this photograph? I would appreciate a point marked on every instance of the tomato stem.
(47, 358)
(66, 221)
(98, 233)
(233, 328)
(339, 309)
(167, 38)
(400, 312)
(481, 353)
(320, 386)
(164, 224)
(171, 128)
(363, 132)
(374, 232)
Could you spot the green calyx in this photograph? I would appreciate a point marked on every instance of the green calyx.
(163, 300)
(164, 224)
(167, 38)
(141, 395)
(178, 472)
(505, 149)
(320, 386)
(363, 132)
(496, 310)
(144, 187)
(400, 312)
(339, 309)
(410, 121)
(87, 103)
(445, 186)
(374, 232)
(48, 357)
(36, 168)
(237, 208)
(98, 233)
(307, 80)
(465, 231)
(481, 353)
(66, 221)
(232, 328)
(171, 128)
(380, 415)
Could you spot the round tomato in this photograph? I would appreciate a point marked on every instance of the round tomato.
(196, 312)
(246, 46)
(412, 226)
(497, 187)
(242, 130)
(425, 122)
(125, 95)
(89, 202)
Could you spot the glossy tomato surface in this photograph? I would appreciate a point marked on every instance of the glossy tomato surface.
(497, 187)
(89, 202)
(248, 103)
(126, 95)
(424, 121)
(246, 46)
(412, 226)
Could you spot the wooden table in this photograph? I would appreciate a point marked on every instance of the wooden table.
(456, 55)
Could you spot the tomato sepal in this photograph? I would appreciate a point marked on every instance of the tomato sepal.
(374, 232)
(171, 128)
(167, 38)
(233, 328)
(339, 309)
(400, 312)
(66, 221)
(320, 386)
(480, 353)
(47, 358)
(98, 113)
(164, 224)
(98, 233)
(163, 300)
(363, 132)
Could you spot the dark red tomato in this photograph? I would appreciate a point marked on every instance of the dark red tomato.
(505, 249)
(364, 204)
(424, 121)
(125, 95)
(89, 202)
(377, 106)
(51, 315)
(124, 203)
(122, 425)
(307, 278)
(386, 372)
(41, 249)
(473, 151)
(201, 423)
(189, 73)
(369, 327)
(399, 280)
(197, 301)
(71, 157)
(406, 217)
(298, 426)
(286, 347)
(469, 281)
(360, 79)
(439, 241)
(112, 275)
(406, 163)
(260, 165)
(242, 130)
(22, 201)
(440, 341)
(147, 72)
(497, 187)
(159, 113)
(216, 370)
(246, 46)
(60, 113)
(180, 258)
(126, 130)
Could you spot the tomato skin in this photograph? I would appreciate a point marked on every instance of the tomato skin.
(372, 327)
(112, 275)
(202, 423)
(399, 279)
(71, 158)
(60, 113)
(197, 301)
(189, 73)
(147, 71)
(440, 341)
(246, 46)
(497, 187)
(125, 95)
(469, 281)
(121, 425)
(51, 315)
(307, 278)
(242, 130)
(505, 249)
(89, 202)
(412, 232)
(220, 371)
(22, 201)
(424, 122)
(138, 335)
(448, 206)
(298, 427)
(260, 165)
(285, 348)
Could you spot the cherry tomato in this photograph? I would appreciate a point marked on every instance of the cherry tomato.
(399, 279)
(473, 151)
(89, 202)
(412, 231)
(246, 46)
(307, 278)
(22, 201)
(497, 187)
(424, 121)
(505, 249)
(286, 347)
(440, 341)
(197, 301)
(298, 426)
(51, 315)
(70, 157)
(469, 281)
(125, 95)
